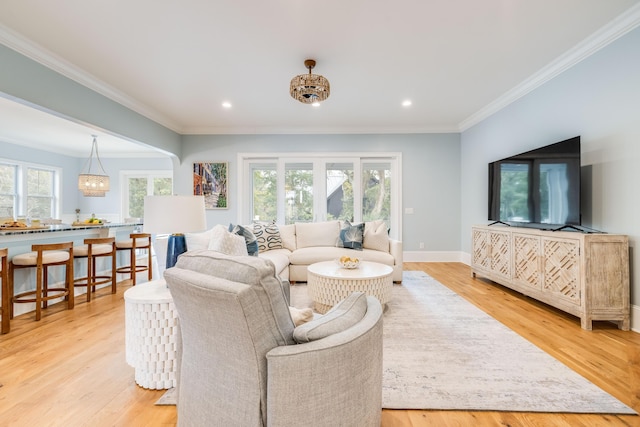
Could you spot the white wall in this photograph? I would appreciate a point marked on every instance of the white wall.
(598, 99)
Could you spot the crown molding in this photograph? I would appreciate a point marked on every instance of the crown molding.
(612, 31)
(41, 55)
(266, 130)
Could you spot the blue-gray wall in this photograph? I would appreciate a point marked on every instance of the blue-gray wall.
(430, 175)
(598, 99)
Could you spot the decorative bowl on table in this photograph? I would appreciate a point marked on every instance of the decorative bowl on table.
(349, 262)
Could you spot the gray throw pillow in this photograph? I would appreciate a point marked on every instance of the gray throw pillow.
(341, 317)
(351, 236)
(249, 238)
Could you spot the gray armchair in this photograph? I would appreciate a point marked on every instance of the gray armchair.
(240, 364)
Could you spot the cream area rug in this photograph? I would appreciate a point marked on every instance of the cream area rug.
(441, 352)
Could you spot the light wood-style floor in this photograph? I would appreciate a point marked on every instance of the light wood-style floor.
(69, 369)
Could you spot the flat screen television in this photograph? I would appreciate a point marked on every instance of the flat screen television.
(538, 188)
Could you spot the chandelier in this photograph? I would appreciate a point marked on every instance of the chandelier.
(93, 184)
(309, 88)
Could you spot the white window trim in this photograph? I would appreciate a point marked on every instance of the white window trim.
(394, 158)
(21, 185)
(149, 174)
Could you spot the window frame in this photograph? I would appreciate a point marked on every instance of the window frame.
(125, 175)
(320, 161)
(21, 194)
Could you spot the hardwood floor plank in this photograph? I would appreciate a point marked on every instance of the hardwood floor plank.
(69, 369)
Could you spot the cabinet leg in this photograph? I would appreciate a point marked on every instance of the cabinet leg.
(586, 323)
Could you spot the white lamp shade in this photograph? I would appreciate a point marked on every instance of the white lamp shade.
(174, 214)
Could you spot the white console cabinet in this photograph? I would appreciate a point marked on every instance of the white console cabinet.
(586, 275)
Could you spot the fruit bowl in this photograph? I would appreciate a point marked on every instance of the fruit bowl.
(348, 262)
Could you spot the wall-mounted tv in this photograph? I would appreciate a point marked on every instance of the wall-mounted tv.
(541, 186)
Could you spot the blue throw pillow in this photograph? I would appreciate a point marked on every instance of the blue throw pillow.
(351, 236)
(249, 238)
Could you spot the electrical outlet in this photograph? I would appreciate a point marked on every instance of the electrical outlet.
(421, 245)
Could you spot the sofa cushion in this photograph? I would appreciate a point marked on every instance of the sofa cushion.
(341, 317)
(317, 233)
(259, 273)
(279, 257)
(268, 236)
(351, 236)
(376, 236)
(249, 238)
(307, 256)
(227, 243)
(288, 235)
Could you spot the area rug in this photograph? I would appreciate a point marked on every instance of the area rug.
(441, 352)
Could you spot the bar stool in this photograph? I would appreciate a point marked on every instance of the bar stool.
(42, 257)
(136, 241)
(4, 276)
(91, 250)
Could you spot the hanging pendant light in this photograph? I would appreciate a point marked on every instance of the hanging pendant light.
(309, 88)
(93, 184)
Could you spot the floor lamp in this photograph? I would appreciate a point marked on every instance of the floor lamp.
(174, 215)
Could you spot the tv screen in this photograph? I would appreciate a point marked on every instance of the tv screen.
(541, 186)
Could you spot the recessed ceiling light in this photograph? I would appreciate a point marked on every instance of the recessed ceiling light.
(226, 104)
(406, 103)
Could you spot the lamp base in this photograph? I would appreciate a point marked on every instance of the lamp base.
(176, 246)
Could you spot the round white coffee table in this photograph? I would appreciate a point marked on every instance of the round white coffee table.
(151, 326)
(328, 283)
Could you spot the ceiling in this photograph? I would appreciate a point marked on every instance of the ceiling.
(174, 62)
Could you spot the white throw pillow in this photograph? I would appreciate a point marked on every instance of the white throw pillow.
(288, 236)
(376, 236)
(227, 243)
(197, 241)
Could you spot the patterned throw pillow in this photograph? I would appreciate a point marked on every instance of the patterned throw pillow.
(227, 243)
(268, 236)
(351, 236)
(249, 238)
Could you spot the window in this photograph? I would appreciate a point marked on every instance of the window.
(138, 184)
(309, 187)
(29, 190)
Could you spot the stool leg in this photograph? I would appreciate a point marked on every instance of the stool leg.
(149, 264)
(113, 273)
(11, 272)
(39, 290)
(133, 264)
(91, 268)
(6, 300)
(69, 284)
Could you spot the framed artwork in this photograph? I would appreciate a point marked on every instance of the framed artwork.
(210, 180)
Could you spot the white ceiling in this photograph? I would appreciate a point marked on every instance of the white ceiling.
(176, 62)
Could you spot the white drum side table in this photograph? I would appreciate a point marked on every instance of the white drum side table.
(151, 326)
(328, 283)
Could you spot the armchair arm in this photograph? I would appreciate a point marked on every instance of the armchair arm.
(333, 381)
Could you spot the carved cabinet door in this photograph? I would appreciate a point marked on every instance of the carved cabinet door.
(561, 268)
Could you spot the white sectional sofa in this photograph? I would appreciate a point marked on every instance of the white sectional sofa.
(292, 248)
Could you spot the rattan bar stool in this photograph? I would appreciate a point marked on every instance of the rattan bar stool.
(92, 249)
(42, 257)
(4, 276)
(136, 241)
